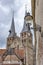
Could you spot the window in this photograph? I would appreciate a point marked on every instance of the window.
(30, 40)
(22, 34)
(17, 46)
(7, 39)
(25, 33)
(22, 41)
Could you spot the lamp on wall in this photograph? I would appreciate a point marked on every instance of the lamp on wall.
(37, 28)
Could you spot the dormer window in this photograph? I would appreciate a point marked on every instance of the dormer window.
(8, 39)
(10, 31)
(22, 34)
(25, 33)
(24, 40)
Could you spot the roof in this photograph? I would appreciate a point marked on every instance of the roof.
(12, 29)
(26, 27)
(18, 53)
(14, 57)
(11, 57)
(2, 51)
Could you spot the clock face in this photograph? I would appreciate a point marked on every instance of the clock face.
(28, 34)
(27, 21)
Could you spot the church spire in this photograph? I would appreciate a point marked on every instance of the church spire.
(26, 26)
(12, 29)
(13, 16)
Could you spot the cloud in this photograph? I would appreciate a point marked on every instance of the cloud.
(3, 42)
(7, 2)
(3, 35)
(19, 19)
(4, 9)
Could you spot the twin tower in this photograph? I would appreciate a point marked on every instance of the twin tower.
(24, 41)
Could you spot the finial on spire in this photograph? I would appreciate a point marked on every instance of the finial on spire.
(12, 14)
(25, 9)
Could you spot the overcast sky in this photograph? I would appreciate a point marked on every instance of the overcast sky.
(6, 7)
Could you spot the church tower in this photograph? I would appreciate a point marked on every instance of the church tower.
(26, 37)
(12, 33)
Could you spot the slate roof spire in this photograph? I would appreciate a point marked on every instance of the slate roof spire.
(12, 29)
(26, 27)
